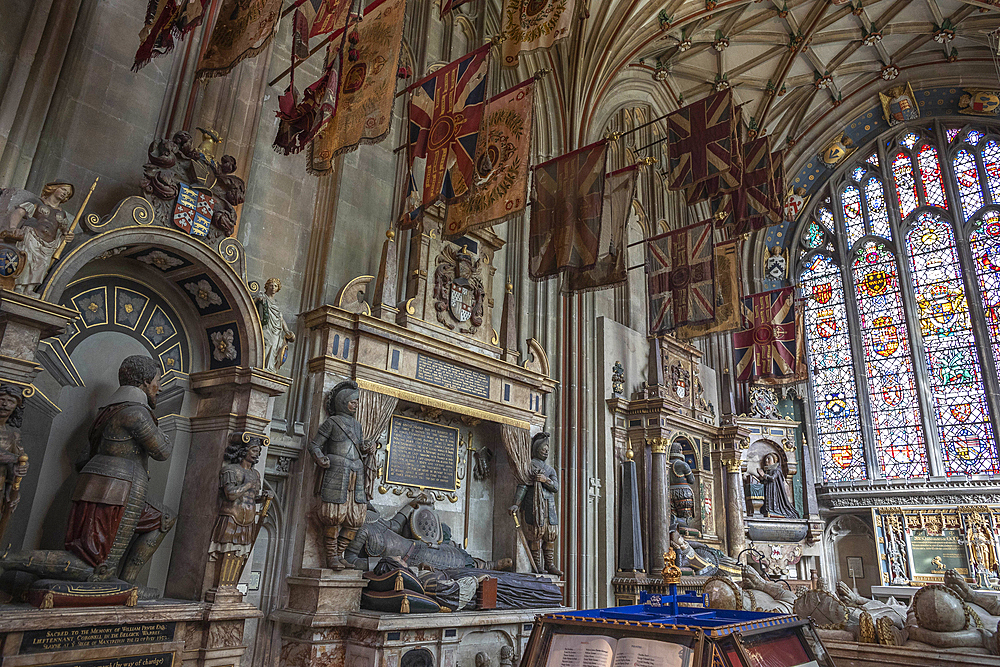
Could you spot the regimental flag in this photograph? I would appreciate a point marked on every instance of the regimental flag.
(300, 38)
(500, 185)
(534, 24)
(166, 21)
(446, 111)
(448, 5)
(726, 182)
(367, 87)
(753, 202)
(566, 209)
(243, 30)
(700, 138)
(680, 277)
(610, 269)
(727, 295)
(299, 123)
(193, 210)
(323, 16)
(776, 189)
(766, 347)
(801, 373)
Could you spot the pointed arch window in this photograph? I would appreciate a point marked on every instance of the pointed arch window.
(903, 333)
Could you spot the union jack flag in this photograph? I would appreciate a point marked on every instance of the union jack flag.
(566, 212)
(700, 138)
(776, 189)
(766, 347)
(681, 278)
(753, 201)
(726, 182)
(445, 113)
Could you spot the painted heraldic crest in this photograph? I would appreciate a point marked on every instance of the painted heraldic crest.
(458, 290)
(193, 210)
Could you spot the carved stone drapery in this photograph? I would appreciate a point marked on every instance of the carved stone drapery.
(374, 412)
(517, 441)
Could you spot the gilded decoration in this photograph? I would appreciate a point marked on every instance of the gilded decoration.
(837, 151)
(899, 104)
(979, 102)
(458, 289)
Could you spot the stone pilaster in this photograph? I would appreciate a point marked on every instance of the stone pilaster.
(735, 504)
(232, 400)
(659, 538)
(24, 321)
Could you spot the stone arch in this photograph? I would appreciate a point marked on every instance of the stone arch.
(849, 536)
(173, 252)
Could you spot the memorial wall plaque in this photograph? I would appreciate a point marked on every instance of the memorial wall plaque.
(933, 554)
(422, 454)
(450, 376)
(62, 639)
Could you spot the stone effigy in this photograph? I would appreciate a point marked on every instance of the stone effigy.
(39, 225)
(681, 481)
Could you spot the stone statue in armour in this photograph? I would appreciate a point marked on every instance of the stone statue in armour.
(112, 525)
(341, 485)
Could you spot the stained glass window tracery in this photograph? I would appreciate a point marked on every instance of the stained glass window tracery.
(922, 386)
(813, 236)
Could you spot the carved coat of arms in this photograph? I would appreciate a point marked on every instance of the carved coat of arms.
(795, 203)
(680, 380)
(899, 104)
(458, 290)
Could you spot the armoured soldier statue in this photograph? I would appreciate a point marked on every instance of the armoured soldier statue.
(111, 525)
(537, 502)
(681, 479)
(341, 488)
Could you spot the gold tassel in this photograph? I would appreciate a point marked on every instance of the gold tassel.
(399, 580)
(133, 597)
(47, 601)
(405, 607)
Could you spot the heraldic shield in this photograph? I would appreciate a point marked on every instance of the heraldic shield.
(193, 211)
(462, 298)
(11, 264)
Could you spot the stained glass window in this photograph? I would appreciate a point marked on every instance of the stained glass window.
(895, 412)
(853, 219)
(984, 243)
(961, 412)
(832, 370)
(930, 174)
(967, 177)
(876, 208)
(906, 185)
(921, 376)
(991, 164)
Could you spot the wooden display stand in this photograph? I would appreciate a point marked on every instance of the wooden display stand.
(661, 631)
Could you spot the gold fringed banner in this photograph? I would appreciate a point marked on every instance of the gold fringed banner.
(421, 399)
(244, 29)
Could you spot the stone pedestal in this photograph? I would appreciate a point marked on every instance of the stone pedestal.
(853, 654)
(322, 593)
(195, 634)
(366, 638)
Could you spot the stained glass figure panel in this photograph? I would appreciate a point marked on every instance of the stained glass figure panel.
(959, 399)
(895, 412)
(858, 173)
(853, 220)
(991, 164)
(952, 133)
(909, 140)
(930, 175)
(826, 217)
(831, 364)
(906, 184)
(969, 190)
(974, 137)
(877, 213)
(984, 243)
(873, 160)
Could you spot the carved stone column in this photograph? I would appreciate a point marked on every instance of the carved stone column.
(24, 321)
(659, 539)
(735, 505)
(231, 400)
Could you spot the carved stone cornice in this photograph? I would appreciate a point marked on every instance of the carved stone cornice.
(889, 493)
